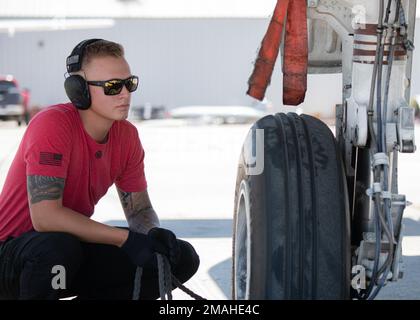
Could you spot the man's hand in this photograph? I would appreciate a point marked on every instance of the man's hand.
(164, 242)
(141, 248)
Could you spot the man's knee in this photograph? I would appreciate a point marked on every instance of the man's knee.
(49, 257)
(189, 261)
(56, 248)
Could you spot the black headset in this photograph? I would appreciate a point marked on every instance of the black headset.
(76, 86)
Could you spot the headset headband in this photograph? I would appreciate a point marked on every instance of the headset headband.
(75, 59)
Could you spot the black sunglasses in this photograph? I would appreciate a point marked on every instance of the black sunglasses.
(114, 86)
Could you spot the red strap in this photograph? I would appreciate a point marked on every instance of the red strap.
(295, 64)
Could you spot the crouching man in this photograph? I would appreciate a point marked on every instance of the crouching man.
(69, 156)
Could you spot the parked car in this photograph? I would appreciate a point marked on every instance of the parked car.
(13, 101)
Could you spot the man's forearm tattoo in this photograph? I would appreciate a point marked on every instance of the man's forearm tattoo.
(140, 219)
(143, 220)
(44, 188)
(126, 200)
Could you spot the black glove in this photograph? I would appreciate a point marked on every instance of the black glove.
(164, 242)
(139, 248)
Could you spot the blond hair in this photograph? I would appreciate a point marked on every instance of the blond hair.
(102, 48)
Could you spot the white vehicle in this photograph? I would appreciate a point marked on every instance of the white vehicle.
(218, 114)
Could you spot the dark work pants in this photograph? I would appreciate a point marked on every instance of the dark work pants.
(92, 271)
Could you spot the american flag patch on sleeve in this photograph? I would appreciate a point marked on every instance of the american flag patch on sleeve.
(50, 159)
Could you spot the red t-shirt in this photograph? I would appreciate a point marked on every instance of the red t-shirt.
(56, 144)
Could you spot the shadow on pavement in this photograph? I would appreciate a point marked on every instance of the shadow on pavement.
(407, 288)
(208, 228)
(411, 227)
(218, 274)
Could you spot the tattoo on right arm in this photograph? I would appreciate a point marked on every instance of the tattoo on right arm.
(44, 188)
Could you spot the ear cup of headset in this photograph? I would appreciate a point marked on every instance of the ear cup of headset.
(77, 90)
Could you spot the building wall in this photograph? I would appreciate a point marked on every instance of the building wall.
(179, 62)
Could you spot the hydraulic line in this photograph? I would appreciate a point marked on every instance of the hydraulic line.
(365, 295)
(386, 265)
(378, 233)
(374, 147)
(387, 205)
(380, 145)
(389, 229)
(385, 111)
(380, 43)
(389, 69)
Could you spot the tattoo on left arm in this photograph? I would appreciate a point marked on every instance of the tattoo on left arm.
(141, 216)
(126, 200)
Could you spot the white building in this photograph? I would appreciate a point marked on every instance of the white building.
(186, 52)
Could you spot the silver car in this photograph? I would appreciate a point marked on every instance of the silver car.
(11, 100)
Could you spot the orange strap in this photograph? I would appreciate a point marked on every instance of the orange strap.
(295, 64)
